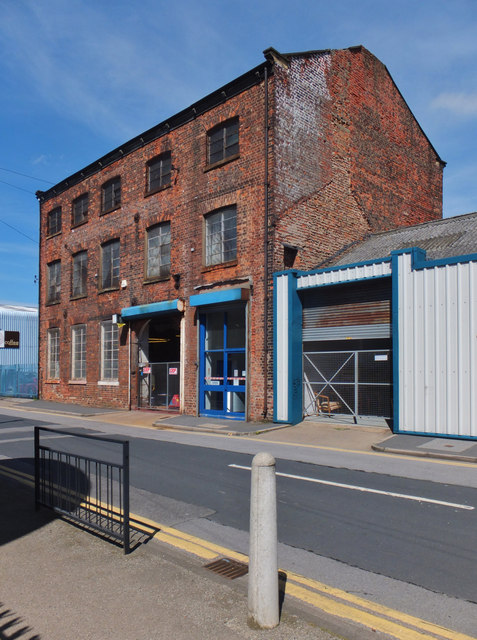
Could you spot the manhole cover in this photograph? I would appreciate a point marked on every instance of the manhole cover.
(228, 568)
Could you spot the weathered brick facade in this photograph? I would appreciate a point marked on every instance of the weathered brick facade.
(328, 152)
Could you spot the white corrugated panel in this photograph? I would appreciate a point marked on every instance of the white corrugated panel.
(24, 320)
(346, 274)
(438, 348)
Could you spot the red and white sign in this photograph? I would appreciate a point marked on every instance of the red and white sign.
(146, 369)
(172, 371)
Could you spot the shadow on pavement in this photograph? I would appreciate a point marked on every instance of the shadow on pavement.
(17, 502)
(13, 626)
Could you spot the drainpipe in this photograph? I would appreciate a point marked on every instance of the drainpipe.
(39, 352)
(129, 366)
(265, 253)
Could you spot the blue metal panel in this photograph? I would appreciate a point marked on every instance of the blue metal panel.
(218, 297)
(294, 401)
(295, 380)
(419, 260)
(224, 387)
(146, 310)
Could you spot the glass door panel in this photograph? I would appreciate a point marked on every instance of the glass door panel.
(236, 373)
(214, 333)
(223, 363)
(214, 368)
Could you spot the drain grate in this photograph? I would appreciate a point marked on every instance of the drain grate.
(228, 568)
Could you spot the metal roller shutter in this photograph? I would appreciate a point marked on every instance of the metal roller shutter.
(359, 310)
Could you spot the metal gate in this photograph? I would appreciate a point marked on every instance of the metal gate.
(159, 385)
(352, 383)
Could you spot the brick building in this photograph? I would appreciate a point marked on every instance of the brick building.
(157, 259)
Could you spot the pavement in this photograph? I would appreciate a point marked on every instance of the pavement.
(315, 430)
(59, 582)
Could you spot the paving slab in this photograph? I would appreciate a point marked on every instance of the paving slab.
(59, 582)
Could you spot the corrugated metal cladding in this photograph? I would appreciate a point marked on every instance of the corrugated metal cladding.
(346, 274)
(438, 348)
(355, 310)
(24, 320)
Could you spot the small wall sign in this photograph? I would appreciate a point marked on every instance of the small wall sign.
(9, 339)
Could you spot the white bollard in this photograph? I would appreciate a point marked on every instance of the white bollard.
(263, 607)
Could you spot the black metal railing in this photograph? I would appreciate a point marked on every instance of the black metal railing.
(89, 490)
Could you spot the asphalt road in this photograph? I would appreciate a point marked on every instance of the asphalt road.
(404, 537)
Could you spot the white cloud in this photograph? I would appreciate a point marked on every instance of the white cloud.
(460, 104)
(41, 159)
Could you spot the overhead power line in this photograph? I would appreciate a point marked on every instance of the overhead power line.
(15, 187)
(25, 175)
(18, 231)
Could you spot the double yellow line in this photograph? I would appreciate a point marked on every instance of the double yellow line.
(331, 600)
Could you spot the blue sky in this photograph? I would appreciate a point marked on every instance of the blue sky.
(79, 78)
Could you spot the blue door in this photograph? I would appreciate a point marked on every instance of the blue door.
(223, 363)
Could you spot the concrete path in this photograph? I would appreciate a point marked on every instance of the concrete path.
(58, 582)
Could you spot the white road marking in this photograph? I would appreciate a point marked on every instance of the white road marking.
(366, 489)
(31, 438)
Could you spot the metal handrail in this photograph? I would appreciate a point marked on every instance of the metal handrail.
(86, 489)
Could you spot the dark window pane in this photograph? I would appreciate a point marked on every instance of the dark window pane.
(111, 195)
(54, 221)
(223, 141)
(80, 209)
(54, 282)
(80, 271)
(110, 265)
(159, 172)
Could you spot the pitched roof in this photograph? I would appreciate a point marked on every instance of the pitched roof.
(17, 308)
(440, 239)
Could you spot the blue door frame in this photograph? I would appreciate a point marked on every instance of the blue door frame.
(222, 392)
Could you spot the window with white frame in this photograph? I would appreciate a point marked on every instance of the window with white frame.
(109, 351)
(78, 352)
(110, 265)
(79, 274)
(221, 236)
(158, 251)
(53, 282)
(53, 354)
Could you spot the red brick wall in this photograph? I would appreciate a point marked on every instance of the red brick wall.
(351, 158)
(193, 193)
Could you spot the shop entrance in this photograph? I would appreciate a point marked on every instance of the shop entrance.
(159, 363)
(223, 370)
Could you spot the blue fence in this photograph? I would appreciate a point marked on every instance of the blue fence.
(19, 381)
